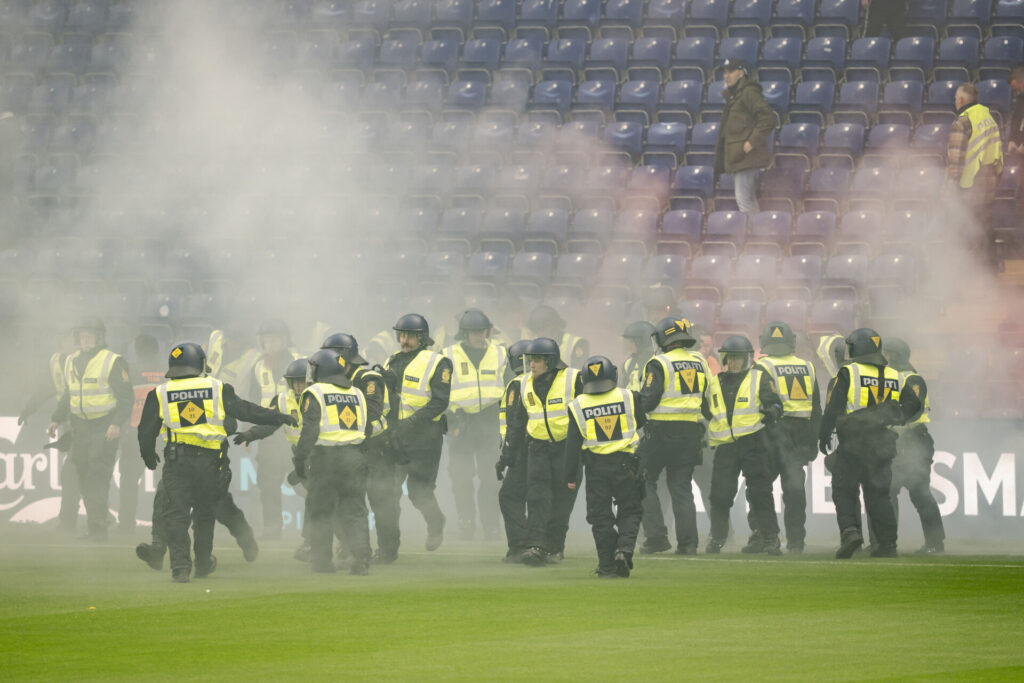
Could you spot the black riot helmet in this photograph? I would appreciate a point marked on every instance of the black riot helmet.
(274, 326)
(327, 365)
(599, 375)
(186, 360)
(296, 369)
(897, 352)
(414, 322)
(671, 330)
(864, 345)
(544, 318)
(94, 325)
(640, 334)
(777, 339)
(516, 352)
(347, 346)
(545, 348)
(473, 320)
(737, 345)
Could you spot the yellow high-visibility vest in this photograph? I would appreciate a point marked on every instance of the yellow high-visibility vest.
(828, 359)
(632, 370)
(380, 425)
(548, 420)
(90, 393)
(270, 386)
(923, 418)
(342, 414)
(57, 374)
(868, 389)
(685, 384)
(387, 344)
(794, 383)
(503, 406)
(984, 148)
(746, 411)
(568, 347)
(607, 421)
(415, 383)
(192, 410)
(288, 404)
(235, 372)
(476, 388)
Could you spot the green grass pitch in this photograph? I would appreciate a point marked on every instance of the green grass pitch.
(460, 614)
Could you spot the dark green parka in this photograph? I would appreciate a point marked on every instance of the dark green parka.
(746, 116)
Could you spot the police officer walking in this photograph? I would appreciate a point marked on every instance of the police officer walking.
(231, 360)
(511, 465)
(97, 400)
(542, 419)
(864, 402)
(191, 411)
(639, 347)
(674, 396)
(420, 397)
(478, 381)
(544, 321)
(335, 421)
(793, 440)
(743, 399)
(912, 468)
(603, 430)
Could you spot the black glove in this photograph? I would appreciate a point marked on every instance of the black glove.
(499, 469)
(300, 467)
(771, 413)
(294, 479)
(824, 444)
(242, 438)
(151, 460)
(22, 419)
(286, 419)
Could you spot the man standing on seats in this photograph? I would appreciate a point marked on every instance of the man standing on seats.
(747, 121)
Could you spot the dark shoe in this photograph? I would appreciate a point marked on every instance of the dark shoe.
(434, 539)
(250, 549)
(513, 556)
(555, 558)
(849, 541)
(148, 554)
(208, 569)
(686, 550)
(302, 553)
(381, 557)
(361, 568)
(772, 545)
(795, 548)
(655, 545)
(606, 573)
(180, 576)
(714, 546)
(931, 549)
(318, 568)
(885, 550)
(534, 557)
(755, 544)
(869, 548)
(622, 564)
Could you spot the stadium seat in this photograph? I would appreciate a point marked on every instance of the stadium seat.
(888, 138)
(741, 48)
(497, 12)
(546, 230)
(812, 101)
(754, 277)
(793, 14)
(780, 56)
(523, 52)
(824, 58)
(957, 58)
(626, 136)
(638, 96)
(831, 316)
(628, 12)
(539, 13)
(681, 100)
(586, 12)
(845, 276)
(553, 95)
(858, 102)
(532, 267)
(972, 16)
(995, 94)
(793, 312)
(682, 226)
(707, 17)
(756, 13)
(845, 138)
(913, 58)
(845, 13)
(725, 228)
(893, 270)
(739, 317)
(1000, 54)
(869, 59)
(510, 94)
(649, 58)
(488, 266)
(607, 55)
(709, 277)
(666, 12)
(665, 141)
(668, 270)
(595, 96)
(773, 227)
(693, 53)
(777, 95)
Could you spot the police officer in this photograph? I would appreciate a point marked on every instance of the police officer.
(864, 401)
(603, 430)
(191, 411)
(382, 490)
(335, 421)
(231, 359)
(831, 353)
(146, 376)
(53, 386)
(480, 372)
(272, 458)
(420, 397)
(98, 401)
(912, 468)
(541, 418)
(544, 321)
(793, 440)
(639, 347)
(674, 395)
(743, 399)
(511, 465)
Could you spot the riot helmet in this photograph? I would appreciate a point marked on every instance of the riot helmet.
(599, 375)
(515, 353)
(347, 346)
(186, 360)
(777, 339)
(864, 345)
(416, 323)
(327, 365)
(640, 334)
(897, 352)
(673, 331)
(737, 345)
(547, 350)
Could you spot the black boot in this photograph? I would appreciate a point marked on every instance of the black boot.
(654, 545)
(772, 545)
(148, 554)
(849, 541)
(885, 550)
(211, 567)
(755, 544)
(622, 564)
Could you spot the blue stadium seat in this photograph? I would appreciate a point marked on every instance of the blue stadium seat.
(793, 312)
(480, 54)
(941, 96)
(845, 138)
(453, 13)
(600, 180)
(780, 56)
(553, 95)
(799, 138)
(355, 54)
(1001, 53)
(824, 58)
(890, 138)
(728, 227)
(523, 52)
(777, 95)
(47, 16)
(577, 268)
(703, 140)
(839, 12)
(546, 229)
(694, 53)
(70, 57)
(709, 277)
(30, 51)
(369, 13)
(596, 95)
(913, 58)
(751, 13)
(510, 94)
(975, 15)
(53, 95)
(626, 136)
(681, 101)
(739, 316)
(447, 265)
(957, 58)
(608, 55)
(621, 268)
(754, 276)
(995, 94)
(629, 12)
(499, 12)
(869, 59)
(536, 134)
(682, 225)
(692, 183)
(794, 12)
(812, 101)
(920, 184)
(539, 13)
(714, 98)
(76, 134)
(741, 48)
(467, 94)
(474, 179)
(565, 55)
(317, 49)
(87, 16)
(670, 12)
(858, 101)
(649, 181)
(800, 272)
(872, 182)
(815, 226)
(425, 95)
(772, 226)
(668, 270)
(334, 14)
(532, 267)
(649, 58)
(400, 54)
(931, 137)
(592, 224)
(893, 270)
(831, 316)
(488, 266)
(665, 140)
(707, 17)
(636, 224)
(639, 95)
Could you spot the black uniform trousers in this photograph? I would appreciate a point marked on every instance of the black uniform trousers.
(549, 501)
(747, 455)
(93, 457)
(336, 483)
(423, 449)
(863, 461)
(226, 513)
(471, 446)
(674, 448)
(384, 493)
(615, 529)
(273, 463)
(792, 444)
(70, 493)
(912, 470)
(512, 500)
(192, 481)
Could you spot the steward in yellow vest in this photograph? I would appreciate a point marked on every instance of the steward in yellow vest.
(639, 347)
(192, 412)
(420, 397)
(793, 440)
(831, 353)
(545, 321)
(275, 342)
(915, 450)
(864, 402)
(675, 397)
(541, 420)
(479, 374)
(743, 400)
(604, 433)
(97, 400)
(511, 465)
(335, 419)
(231, 360)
